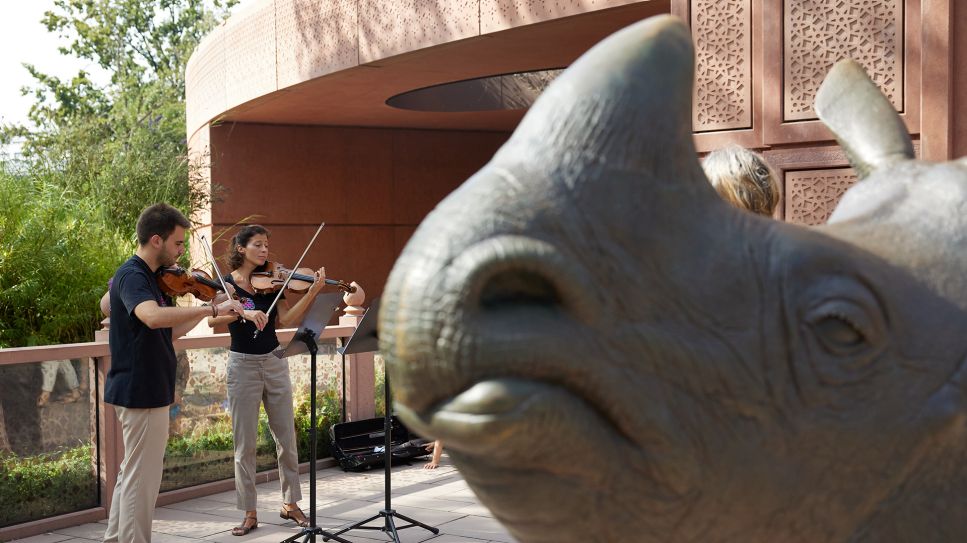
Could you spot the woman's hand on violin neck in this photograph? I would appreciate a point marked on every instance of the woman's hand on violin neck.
(319, 282)
(221, 296)
(258, 317)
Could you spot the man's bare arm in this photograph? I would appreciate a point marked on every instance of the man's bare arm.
(154, 316)
(179, 318)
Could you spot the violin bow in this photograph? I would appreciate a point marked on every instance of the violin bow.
(211, 258)
(289, 278)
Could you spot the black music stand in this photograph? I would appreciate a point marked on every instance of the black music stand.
(364, 340)
(313, 323)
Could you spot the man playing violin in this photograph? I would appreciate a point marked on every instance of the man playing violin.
(141, 382)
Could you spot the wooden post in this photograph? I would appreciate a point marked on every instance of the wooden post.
(110, 443)
(360, 374)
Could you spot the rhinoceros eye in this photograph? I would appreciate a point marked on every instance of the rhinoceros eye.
(838, 334)
(842, 327)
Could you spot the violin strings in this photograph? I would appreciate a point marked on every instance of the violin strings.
(287, 279)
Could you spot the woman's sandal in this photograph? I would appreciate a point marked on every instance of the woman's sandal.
(245, 527)
(293, 515)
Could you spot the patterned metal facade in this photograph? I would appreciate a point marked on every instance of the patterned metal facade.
(759, 64)
(723, 64)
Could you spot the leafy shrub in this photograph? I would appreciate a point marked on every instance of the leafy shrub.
(50, 484)
(92, 157)
(328, 412)
(40, 486)
(214, 437)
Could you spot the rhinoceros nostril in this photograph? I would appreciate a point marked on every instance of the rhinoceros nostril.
(518, 287)
(513, 272)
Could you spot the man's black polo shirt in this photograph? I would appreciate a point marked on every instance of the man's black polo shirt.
(142, 360)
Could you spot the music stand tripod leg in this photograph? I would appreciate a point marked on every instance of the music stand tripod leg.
(387, 513)
(415, 523)
(314, 319)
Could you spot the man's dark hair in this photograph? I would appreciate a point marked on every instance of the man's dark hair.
(160, 219)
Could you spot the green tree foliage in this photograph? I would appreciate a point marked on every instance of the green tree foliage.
(93, 157)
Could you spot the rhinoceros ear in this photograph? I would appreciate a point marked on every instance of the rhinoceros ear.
(862, 119)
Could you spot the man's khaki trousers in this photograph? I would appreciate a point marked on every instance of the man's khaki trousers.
(145, 434)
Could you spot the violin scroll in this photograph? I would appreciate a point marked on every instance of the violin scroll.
(341, 285)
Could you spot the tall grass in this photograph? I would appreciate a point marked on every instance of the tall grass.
(56, 255)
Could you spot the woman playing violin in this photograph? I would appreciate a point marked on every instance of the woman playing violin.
(257, 376)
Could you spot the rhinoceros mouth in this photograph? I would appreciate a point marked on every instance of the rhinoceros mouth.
(507, 433)
(490, 415)
(485, 409)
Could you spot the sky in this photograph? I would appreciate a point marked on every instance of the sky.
(24, 39)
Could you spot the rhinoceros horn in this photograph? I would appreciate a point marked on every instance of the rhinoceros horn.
(635, 122)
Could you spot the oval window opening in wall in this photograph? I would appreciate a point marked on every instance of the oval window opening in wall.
(492, 93)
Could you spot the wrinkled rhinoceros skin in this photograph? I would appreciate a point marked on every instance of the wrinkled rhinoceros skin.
(611, 353)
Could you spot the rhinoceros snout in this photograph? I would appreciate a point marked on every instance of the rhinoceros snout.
(481, 316)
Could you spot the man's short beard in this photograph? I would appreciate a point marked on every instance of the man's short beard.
(166, 258)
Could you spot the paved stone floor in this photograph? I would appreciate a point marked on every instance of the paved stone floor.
(437, 497)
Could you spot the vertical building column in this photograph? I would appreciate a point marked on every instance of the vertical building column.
(938, 91)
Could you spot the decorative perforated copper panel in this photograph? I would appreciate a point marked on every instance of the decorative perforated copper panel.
(812, 195)
(315, 38)
(817, 33)
(250, 53)
(390, 28)
(503, 14)
(723, 64)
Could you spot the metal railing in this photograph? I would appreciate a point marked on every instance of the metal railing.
(60, 460)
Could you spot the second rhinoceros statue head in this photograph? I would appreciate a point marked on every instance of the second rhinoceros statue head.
(612, 353)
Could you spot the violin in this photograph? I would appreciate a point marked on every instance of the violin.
(177, 281)
(273, 275)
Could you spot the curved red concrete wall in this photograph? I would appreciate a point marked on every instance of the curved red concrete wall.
(273, 46)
